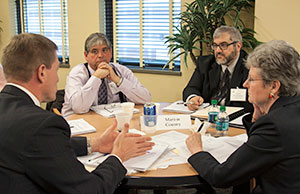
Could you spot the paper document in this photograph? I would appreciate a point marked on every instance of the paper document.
(222, 147)
(179, 107)
(238, 122)
(109, 110)
(143, 163)
(80, 126)
(203, 113)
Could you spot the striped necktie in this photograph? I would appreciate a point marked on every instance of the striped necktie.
(102, 94)
(224, 86)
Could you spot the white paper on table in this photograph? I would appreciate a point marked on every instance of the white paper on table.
(109, 110)
(143, 162)
(220, 148)
(171, 138)
(80, 126)
(203, 113)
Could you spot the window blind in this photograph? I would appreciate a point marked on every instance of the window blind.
(48, 18)
(141, 28)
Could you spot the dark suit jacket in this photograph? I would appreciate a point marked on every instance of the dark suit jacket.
(36, 153)
(271, 154)
(206, 77)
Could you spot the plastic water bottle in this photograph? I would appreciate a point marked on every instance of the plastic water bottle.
(222, 122)
(213, 113)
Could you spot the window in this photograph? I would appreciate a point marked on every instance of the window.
(48, 18)
(140, 29)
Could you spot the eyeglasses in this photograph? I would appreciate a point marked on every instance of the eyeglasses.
(222, 45)
(249, 79)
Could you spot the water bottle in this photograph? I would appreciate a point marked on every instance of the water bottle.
(213, 113)
(222, 122)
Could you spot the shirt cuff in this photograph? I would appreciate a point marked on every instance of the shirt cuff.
(190, 96)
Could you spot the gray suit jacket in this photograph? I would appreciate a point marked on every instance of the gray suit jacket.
(37, 155)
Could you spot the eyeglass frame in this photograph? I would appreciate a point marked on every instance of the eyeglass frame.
(250, 80)
(220, 45)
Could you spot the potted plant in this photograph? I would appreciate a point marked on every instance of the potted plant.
(199, 22)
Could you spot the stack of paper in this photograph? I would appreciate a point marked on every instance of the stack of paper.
(109, 110)
(203, 113)
(80, 126)
(179, 107)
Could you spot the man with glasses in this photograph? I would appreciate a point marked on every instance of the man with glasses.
(219, 76)
(100, 82)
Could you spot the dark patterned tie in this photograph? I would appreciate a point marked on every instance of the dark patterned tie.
(102, 94)
(224, 86)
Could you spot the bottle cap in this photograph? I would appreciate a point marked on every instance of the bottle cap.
(214, 101)
(223, 108)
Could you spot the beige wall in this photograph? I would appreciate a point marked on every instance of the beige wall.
(277, 19)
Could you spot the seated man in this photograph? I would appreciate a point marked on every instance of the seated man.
(37, 154)
(100, 82)
(217, 76)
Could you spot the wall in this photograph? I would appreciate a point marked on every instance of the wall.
(277, 19)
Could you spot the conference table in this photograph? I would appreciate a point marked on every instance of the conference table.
(179, 176)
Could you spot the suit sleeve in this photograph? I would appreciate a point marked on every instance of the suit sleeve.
(195, 84)
(51, 163)
(262, 149)
(79, 145)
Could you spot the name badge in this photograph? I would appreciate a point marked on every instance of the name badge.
(167, 122)
(238, 94)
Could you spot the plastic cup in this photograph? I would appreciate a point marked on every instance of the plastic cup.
(150, 123)
(122, 118)
(128, 107)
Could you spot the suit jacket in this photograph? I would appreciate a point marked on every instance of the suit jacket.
(271, 154)
(206, 77)
(37, 156)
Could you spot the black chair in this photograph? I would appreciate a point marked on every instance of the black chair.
(56, 105)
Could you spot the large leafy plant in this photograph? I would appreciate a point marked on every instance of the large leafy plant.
(199, 22)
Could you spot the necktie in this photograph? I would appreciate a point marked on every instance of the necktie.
(224, 86)
(102, 94)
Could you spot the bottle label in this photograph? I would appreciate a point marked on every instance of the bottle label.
(212, 117)
(222, 126)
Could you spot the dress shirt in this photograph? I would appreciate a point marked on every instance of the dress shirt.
(81, 91)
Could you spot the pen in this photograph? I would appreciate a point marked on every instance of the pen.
(199, 129)
(185, 103)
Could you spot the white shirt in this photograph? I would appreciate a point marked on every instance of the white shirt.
(81, 92)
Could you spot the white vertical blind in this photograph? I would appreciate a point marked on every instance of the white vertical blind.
(48, 18)
(155, 27)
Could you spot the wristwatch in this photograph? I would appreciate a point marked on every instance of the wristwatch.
(88, 145)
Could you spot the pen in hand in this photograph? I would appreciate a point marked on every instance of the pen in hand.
(199, 129)
(185, 103)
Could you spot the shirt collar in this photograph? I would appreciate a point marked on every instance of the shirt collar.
(33, 98)
(231, 66)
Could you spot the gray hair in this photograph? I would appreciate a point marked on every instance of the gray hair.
(96, 39)
(278, 60)
(234, 33)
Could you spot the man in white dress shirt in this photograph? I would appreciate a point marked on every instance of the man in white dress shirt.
(100, 82)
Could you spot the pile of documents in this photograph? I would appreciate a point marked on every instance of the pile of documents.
(170, 149)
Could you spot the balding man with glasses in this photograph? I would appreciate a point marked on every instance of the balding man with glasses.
(220, 76)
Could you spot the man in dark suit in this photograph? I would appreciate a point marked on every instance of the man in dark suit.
(37, 154)
(216, 76)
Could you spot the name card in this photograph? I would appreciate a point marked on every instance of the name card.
(167, 122)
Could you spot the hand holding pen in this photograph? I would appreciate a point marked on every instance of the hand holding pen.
(195, 102)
